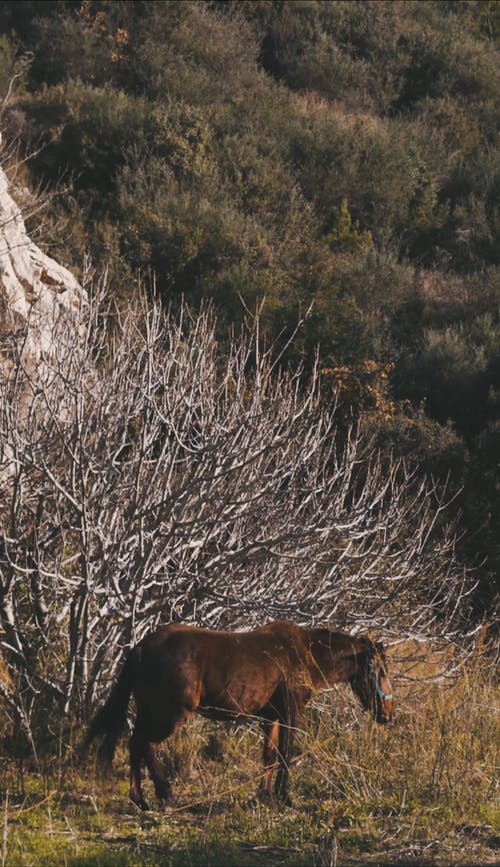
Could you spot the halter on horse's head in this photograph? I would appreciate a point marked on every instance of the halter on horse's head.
(370, 682)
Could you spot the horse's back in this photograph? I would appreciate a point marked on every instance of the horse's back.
(279, 636)
(218, 671)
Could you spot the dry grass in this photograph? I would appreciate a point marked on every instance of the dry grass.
(422, 791)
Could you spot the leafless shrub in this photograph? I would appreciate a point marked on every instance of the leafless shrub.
(153, 476)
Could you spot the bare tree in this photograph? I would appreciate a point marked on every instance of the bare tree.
(156, 476)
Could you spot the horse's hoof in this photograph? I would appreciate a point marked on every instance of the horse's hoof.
(262, 796)
(165, 801)
(284, 800)
(141, 804)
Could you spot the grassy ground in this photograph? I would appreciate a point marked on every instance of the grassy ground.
(423, 791)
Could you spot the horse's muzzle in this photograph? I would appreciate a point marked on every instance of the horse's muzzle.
(384, 714)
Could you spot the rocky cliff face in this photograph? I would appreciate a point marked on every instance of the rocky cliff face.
(35, 291)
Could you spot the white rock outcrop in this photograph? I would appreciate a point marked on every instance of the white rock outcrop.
(35, 291)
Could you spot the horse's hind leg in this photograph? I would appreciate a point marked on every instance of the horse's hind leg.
(138, 752)
(142, 748)
(158, 774)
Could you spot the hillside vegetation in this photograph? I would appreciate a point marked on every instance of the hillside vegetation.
(335, 153)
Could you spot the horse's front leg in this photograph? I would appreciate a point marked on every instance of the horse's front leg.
(138, 748)
(269, 755)
(293, 707)
(285, 747)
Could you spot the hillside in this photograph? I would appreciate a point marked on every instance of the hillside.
(338, 154)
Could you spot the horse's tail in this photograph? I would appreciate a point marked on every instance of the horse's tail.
(110, 719)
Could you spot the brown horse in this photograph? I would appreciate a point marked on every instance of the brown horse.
(269, 673)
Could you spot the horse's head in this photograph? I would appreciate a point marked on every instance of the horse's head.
(370, 682)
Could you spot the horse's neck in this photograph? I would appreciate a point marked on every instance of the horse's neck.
(333, 656)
